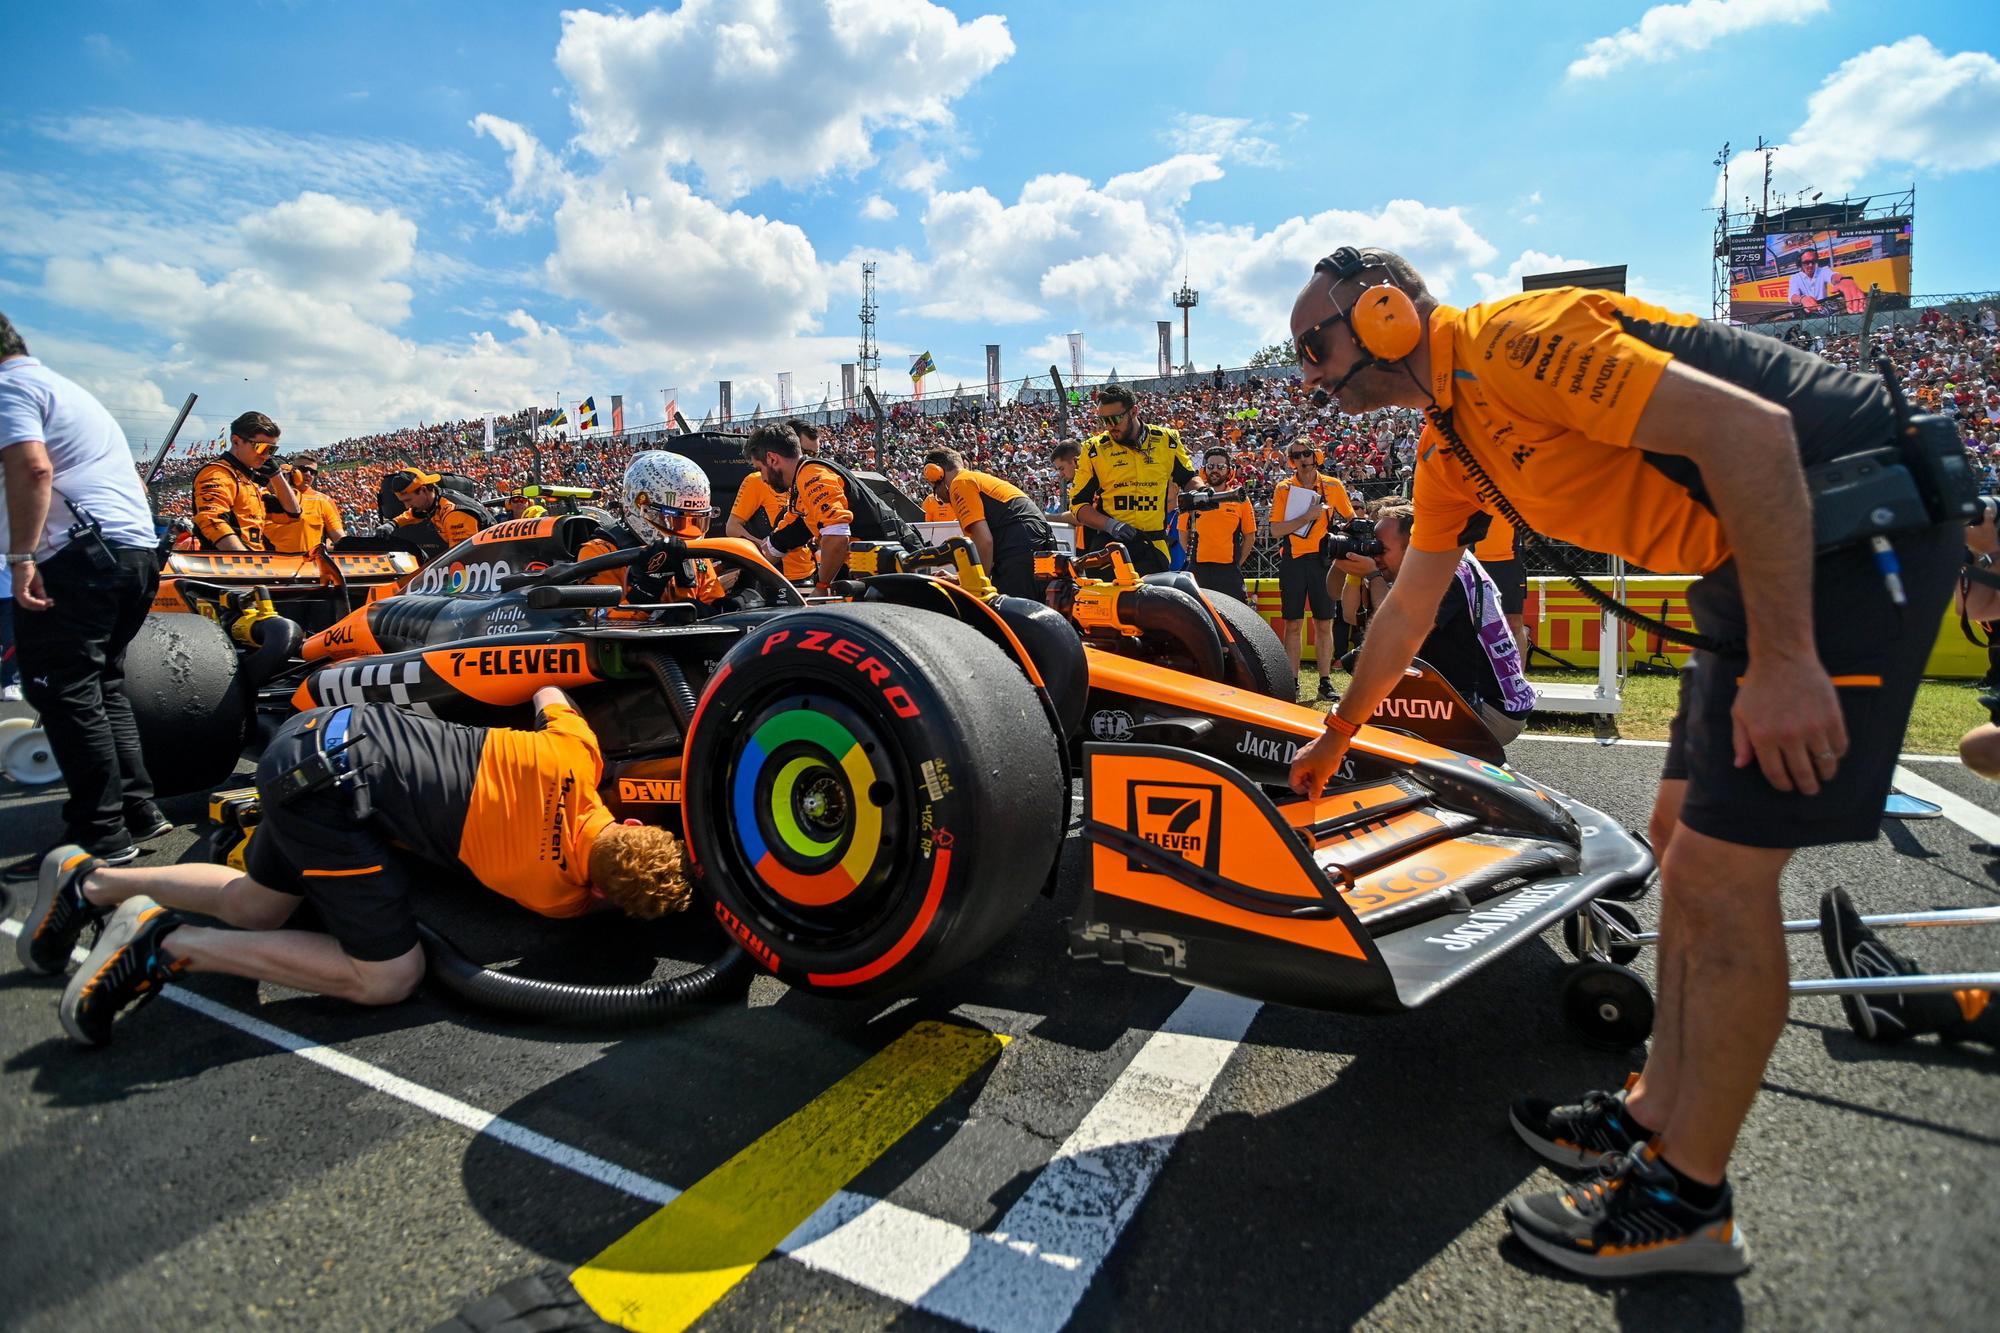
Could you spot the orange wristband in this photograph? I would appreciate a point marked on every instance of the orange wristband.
(1335, 722)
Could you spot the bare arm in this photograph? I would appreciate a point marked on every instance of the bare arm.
(832, 556)
(30, 478)
(548, 697)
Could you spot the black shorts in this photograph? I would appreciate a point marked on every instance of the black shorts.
(1302, 585)
(1511, 578)
(1874, 650)
(1217, 577)
(1013, 571)
(316, 849)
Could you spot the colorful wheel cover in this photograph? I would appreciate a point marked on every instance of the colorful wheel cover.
(805, 809)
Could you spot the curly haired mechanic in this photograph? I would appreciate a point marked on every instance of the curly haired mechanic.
(356, 803)
(1677, 444)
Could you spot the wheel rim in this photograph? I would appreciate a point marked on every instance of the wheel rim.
(816, 818)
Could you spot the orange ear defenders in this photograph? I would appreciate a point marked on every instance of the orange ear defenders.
(933, 473)
(1383, 319)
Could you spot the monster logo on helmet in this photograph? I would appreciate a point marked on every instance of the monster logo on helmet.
(666, 495)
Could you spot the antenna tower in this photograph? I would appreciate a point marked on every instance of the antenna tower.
(871, 356)
(1187, 299)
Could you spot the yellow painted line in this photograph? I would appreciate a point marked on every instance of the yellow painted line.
(664, 1273)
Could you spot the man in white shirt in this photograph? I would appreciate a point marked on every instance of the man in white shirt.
(1808, 286)
(80, 545)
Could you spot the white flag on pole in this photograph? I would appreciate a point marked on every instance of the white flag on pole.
(1075, 359)
(784, 391)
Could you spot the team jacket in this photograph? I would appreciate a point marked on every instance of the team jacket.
(228, 499)
(452, 523)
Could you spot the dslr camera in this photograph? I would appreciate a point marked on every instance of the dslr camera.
(1351, 536)
(1200, 502)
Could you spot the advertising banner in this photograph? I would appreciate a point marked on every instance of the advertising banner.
(1075, 359)
(722, 401)
(784, 391)
(1166, 329)
(1797, 274)
(993, 373)
(847, 390)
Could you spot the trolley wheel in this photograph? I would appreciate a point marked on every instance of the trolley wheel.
(1607, 1005)
(1620, 953)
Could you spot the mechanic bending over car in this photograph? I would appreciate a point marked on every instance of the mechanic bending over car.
(1678, 444)
(825, 504)
(757, 503)
(1122, 484)
(229, 505)
(996, 516)
(316, 521)
(1470, 643)
(357, 802)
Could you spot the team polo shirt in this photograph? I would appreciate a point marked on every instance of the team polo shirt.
(295, 535)
(1546, 389)
(518, 809)
(1210, 534)
(938, 510)
(92, 460)
(754, 497)
(1331, 490)
(450, 522)
(981, 497)
(1129, 482)
(1497, 546)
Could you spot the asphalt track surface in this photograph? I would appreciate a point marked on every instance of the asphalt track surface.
(1137, 1155)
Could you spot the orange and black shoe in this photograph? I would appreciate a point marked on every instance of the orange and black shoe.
(1630, 1220)
(1578, 1134)
(60, 912)
(127, 966)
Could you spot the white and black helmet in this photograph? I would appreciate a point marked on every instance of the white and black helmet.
(666, 495)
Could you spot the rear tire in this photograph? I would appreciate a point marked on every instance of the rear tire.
(1256, 660)
(885, 796)
(182, 677)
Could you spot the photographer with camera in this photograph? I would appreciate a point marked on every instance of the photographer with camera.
(1300, 507)
(85, 563)
(1678, 444)
(1218, 527)
(229, 512)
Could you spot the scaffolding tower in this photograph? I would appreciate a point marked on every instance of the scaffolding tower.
(870, 358)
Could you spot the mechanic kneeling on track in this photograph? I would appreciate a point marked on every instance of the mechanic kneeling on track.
(997, 516)
(1678, 444)
(1470, 644)
(356, 802)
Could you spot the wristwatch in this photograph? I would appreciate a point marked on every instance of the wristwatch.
(20, 557)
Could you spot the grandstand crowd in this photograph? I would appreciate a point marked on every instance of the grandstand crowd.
(1946, 363)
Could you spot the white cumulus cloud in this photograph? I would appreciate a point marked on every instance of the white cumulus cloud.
(1229, 138)
(1492, 286)
(1666, 31)
(877, 209)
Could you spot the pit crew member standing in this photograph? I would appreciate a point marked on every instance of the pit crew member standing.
(317, 519)
(1218, 540)
(755, 497)
(84, 560)
(1299, 508)
(1122, 482)
(997, 517)
(355, 803)
(229, 508)
(828, 506)
(1678, 444)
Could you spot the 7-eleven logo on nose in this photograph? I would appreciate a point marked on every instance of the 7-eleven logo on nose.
(1177, 817)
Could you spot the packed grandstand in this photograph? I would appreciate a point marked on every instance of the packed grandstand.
(1948, 360)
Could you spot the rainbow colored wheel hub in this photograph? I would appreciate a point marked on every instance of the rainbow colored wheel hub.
(805, 807)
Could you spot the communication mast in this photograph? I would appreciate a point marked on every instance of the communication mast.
(870, 358)
(1187, 299)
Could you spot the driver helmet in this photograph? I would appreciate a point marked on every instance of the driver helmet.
(666, 495)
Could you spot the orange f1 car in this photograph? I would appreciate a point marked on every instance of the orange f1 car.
(874, 790)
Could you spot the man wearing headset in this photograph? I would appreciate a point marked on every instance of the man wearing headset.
(997, 516)
(1677, 444)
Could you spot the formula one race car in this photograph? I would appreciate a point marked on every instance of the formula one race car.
(874, 790)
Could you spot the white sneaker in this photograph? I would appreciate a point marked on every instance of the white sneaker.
(10, 693)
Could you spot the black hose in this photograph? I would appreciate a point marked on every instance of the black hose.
(277, 644)
(1179, 617)
(561, 1001)
(674, 684)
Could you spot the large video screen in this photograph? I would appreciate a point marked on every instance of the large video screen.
(1799, 274)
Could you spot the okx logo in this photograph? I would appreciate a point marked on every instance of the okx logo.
(1183, 818)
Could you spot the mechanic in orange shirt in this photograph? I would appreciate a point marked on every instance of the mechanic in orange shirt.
(1680, 445)
(996, 516)
(1300, 509)
(424, 503)
(357, 803)
(826, 505)
(316, 521)
(229, 507)
(758, 509)
(1219, 539)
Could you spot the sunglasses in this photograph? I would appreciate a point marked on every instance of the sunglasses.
(1309, 346)
(1113, 418)
(1296, 455)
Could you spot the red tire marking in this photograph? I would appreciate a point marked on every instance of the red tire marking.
(940, 868)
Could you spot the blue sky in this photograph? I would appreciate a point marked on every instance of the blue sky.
(360, 215)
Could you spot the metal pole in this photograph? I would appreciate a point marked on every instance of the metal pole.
(165, 445)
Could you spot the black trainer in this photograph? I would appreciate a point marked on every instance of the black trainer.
(1853, 950)
(60, 912)
(1327, 693)
(1580, 1134)
(125, 967)
(145, 822)
(1630, 1221)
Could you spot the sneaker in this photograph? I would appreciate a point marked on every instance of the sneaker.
(145, 822)
(60, 912)
(125, 967)
(1328, 694)
(11, 693)
(1583, 1134)
(1853, 950)
(1630, 1221)
(119, 856)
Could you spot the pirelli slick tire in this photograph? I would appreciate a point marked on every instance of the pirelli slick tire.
(1256, 660)
(185, 683)
(883, 797)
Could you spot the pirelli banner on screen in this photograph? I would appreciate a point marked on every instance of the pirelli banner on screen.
(1786, 275)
